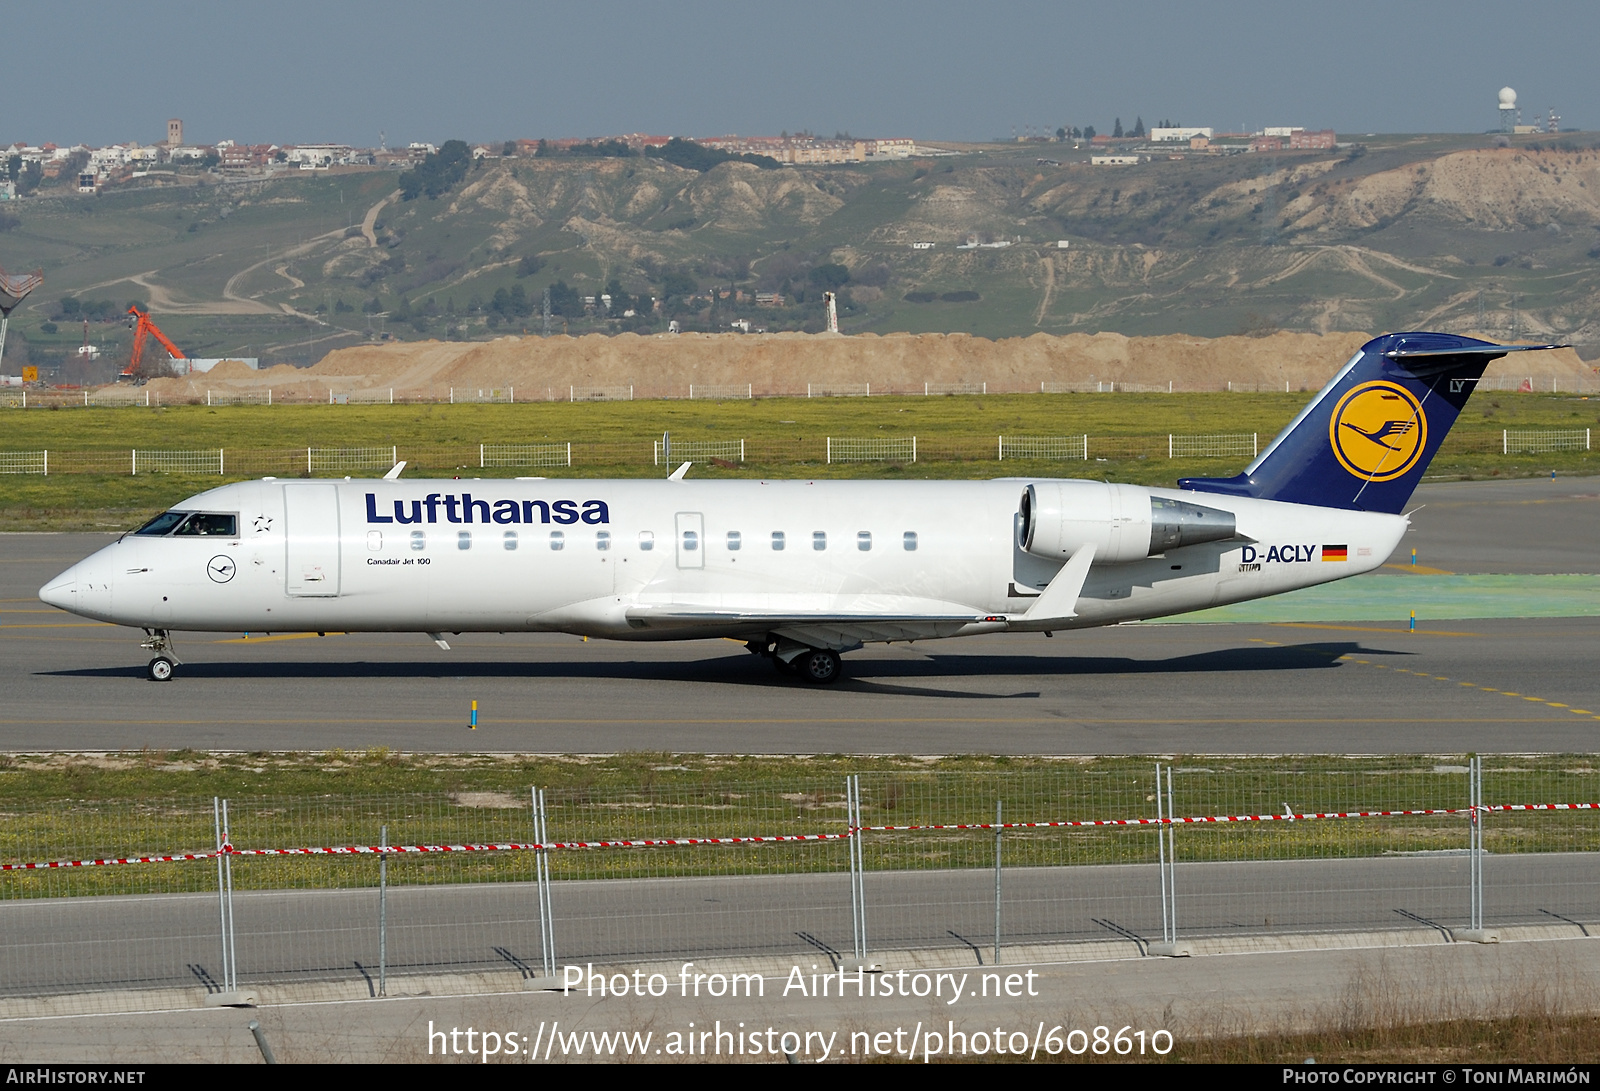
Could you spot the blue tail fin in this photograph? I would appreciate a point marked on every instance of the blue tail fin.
(1365, 440)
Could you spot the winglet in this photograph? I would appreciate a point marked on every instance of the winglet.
(394, 474)
(1060, 600)
(677, 475)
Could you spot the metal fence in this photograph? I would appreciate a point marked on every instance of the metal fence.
(177, 462)
(1533, 443)
(838, 390)
(25, 462)
(929, 389)
(1246, 445)
(600, 393)
(986, 867)
(722, 392)
(872, 449)
(1074, 448)
(535, 454)
(470, 395)
(676, 451)
(340, 459)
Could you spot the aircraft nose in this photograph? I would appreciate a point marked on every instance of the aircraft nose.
(62, 591)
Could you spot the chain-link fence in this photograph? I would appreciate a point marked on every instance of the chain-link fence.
(721, 392)
(25, 462)
(600, 393)
(985, 866)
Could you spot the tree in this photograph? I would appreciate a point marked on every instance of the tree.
(509, 149)
(529, 265)
(677, 284)
(1088, 132)
(438, 173)
(1061, 133)
(692, 156)
(565, 301)
(1138, 127)
(830, 277)
(1117, 131)
(621, 301)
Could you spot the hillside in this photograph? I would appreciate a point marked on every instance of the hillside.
(535, 368)
(1393, 232)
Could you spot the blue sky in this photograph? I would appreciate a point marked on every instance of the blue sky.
(298, 71)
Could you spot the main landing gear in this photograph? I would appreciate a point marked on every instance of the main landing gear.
(822, 666)
(165, 662)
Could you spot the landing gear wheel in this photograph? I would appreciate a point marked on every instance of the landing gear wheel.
(820, 665)
(160, 669)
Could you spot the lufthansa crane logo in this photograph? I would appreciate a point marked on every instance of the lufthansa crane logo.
(1378, 431)
(221, 569)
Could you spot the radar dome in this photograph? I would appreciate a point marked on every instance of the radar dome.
(1508, 98)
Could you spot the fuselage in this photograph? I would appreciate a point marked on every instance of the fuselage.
(654, 560)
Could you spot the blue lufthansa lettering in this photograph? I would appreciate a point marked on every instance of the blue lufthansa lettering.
(1272, 554)
(466, 508)
(1247, 554)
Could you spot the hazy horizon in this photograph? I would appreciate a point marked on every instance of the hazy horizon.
(300, 72)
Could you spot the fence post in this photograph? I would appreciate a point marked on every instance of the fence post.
(830, 438)
(511, 395)
(308, 462)
(997, 828)
(741, 450)
(1505, 441)
(858, 898)
(135, 471)
(480, 457)
(394, 454)
(569, 452)
(1169, 446)
(1475, 932)
(230, 970)
(47, 462)
(541, 858)
(222, 461)
(383, 911)
(1086, 446)
(913, 448)
(452, 395)
(1167, 859)
(1001, 456)
(269, 396)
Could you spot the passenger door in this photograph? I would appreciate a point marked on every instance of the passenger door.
(311, 534)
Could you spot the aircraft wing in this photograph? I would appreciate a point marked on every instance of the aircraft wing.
(904, 620)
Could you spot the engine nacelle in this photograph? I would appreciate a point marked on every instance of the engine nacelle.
(1123, 522)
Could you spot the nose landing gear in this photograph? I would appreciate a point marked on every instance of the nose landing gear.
(166, 661)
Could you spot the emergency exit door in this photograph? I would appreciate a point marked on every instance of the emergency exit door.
(691, 539)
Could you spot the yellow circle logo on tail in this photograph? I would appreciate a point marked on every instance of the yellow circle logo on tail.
(1378, 431)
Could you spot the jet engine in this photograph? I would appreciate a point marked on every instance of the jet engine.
(1123, 522)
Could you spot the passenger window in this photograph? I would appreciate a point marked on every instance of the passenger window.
(691, 541)
(734, 540)
(511, 540)
(819, 540)
(206, 524)
(163, 523)
(777, 541)
(911, 541)
(602, 540)
(464, 539)
(558, 540)
(375, 541)
(864, 540)
(647, 540)
(419, 540)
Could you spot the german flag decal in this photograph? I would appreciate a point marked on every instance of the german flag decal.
(1335, 553)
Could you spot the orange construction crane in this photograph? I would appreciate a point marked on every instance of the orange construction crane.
(142, 328)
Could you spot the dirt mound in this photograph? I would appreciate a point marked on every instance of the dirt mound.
(789, 363)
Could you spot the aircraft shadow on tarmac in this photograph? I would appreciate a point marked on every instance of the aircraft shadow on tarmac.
(886, 676)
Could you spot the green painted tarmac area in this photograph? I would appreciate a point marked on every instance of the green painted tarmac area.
(1437, 598)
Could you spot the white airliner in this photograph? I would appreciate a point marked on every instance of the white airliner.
(801, 570)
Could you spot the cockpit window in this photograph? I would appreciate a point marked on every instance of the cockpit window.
(163, 523)
(192, 524)
(205, 524)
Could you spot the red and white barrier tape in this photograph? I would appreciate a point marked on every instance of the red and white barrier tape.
(667, 842)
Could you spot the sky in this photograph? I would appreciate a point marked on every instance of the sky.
(297, 71)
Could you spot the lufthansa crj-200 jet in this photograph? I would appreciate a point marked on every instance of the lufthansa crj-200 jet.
(801, 570)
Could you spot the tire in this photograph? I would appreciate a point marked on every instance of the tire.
(160, 669)
(820, 666)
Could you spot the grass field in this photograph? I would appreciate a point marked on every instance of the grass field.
(785, 438)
